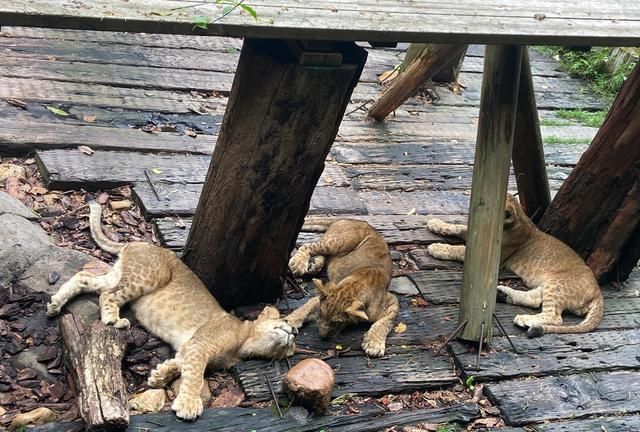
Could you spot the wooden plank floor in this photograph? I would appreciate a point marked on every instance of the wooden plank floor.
(135, 100)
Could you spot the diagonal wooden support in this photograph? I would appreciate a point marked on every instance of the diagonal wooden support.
(528, 154)
(281, 120)
(488, 190)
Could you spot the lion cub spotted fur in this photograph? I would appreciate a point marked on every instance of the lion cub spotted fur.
(359, 268)
(559, 279)
(170, 301)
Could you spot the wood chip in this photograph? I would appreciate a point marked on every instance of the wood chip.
(120, 205)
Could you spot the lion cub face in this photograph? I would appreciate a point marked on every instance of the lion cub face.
(271, 337)
(336, 310)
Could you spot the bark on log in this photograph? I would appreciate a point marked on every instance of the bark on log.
(280, 123)
(597, 211)
(94, 354)
(428, 62)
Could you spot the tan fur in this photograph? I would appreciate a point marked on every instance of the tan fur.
(170, 301)
(558, 278)
(359, 268)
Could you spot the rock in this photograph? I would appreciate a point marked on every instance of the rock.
(29, 359)
(21, 244)
(205, 393)
(310, 383)
(403, 285)
(38, 416)
(11, 170)
(395, 255)
(149, 401)
(120, 205)
(229, 398)
(9, 204)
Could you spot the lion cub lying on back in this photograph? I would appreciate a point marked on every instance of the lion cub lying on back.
(559, 278)
(359, 268)
(170, 301)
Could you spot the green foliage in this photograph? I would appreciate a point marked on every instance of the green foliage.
(592, 66)
(201, 21)
(229, 6)
(57, 111)
(554, 122)
(560, 140)
(446, 428)
(471, 382)
(588, 118)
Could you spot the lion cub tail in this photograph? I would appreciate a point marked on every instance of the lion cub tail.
(590, 322)
(104, 242)
(317, 224)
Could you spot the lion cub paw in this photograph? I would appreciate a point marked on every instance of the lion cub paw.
(299, 265)
(438, 226)
(119, 323)
(440, 251)
(502, 295)
(526, 321)
(187, 407)
(53, 308)
(373, 348)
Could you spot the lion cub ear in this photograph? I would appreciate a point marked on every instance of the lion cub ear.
(320, 287)
(269, 312)
(357, 310)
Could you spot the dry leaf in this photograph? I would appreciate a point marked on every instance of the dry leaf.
(229, 398)
(156, 170)
(89, 118)
(412, 211)
(37, 190)
(86, 150)
(419, 302)
(17, 103)
(400, 328)
(388, 75)
(395, 406)
(190, 133)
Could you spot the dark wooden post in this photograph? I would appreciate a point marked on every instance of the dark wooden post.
(488, 190)
(281, 120)
(528, 154)
(597, 209)
(430, 61)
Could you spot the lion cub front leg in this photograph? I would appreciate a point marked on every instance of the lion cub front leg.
(299, 316)
(195, 357)
(165, 372)
(446, 251)
(375, 340)
(443, 228)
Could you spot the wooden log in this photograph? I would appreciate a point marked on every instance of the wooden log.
(430, 61)
(488, 190)
(450, 71)
(596, 210)
(281, 120)
(528, 153)
(94, 354)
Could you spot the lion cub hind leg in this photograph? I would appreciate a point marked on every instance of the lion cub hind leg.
(375, 339)
(440, 227)
(445, 251)
(531, 298)
(550, 315)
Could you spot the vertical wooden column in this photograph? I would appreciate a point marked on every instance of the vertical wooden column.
(281, 120)
(528, 154)
(488, 190)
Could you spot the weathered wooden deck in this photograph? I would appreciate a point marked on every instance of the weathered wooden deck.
(395, 175)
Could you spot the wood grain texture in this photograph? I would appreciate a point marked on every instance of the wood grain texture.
(488, 190)
(470, 21)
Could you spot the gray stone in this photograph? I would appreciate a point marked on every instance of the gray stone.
(9, 204)
(396, 255)
(403, 285)
(27, 359)
(22, 243)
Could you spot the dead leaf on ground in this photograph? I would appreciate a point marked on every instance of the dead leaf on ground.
(17, 103)
(421, 427)
(419, 302)
(411, 212)
(488, 422)
(12, 187)
(229, 398)
(89, 118)
(400, 328)
(190, 133)
(102, 198)
(86, 150)
(388, 76)
(37, 190)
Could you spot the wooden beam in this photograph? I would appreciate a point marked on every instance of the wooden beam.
(488, 190)
(281, 120)
(433, 58)
(528, 154)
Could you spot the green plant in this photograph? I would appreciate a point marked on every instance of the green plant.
(446, 428)
(554, 122)
(201, 21)
(471, 382)
(588, 118)
(552, 139)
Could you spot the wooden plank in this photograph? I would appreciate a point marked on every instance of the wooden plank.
(413, 369)
(26, 136)
(428, 177)
(433, 202)
(553, 355)
(600, 424)
(437, 153)
(370, 419)
(570, 397)
(68, 93)
(612, 24)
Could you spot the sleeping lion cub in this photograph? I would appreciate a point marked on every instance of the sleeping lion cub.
(559, 278)
(359, 268)
(170, 301)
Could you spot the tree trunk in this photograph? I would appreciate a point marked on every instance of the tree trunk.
(488, 190)
(94, 355)
(430, 60)
(597, 209)
(281, 120)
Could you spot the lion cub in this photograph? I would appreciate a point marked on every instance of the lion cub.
(359, 268)
(559, 278)
(170, 301)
